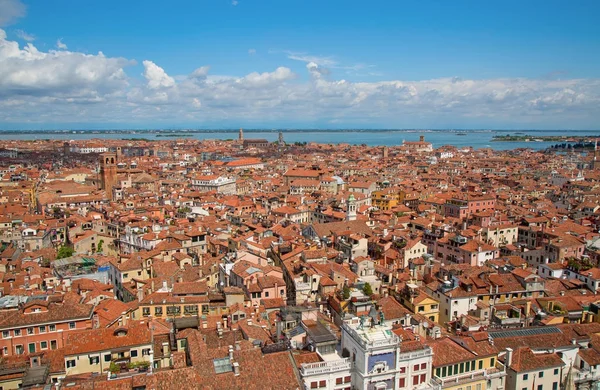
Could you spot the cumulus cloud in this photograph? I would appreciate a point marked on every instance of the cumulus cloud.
(267, 79)
(251, 52)
(28, 71)
(60, 45)
(69, 87)
(25, 36)
(156, 76)
(11, 11)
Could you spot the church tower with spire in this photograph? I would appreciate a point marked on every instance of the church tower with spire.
(351, 213)
(596, 158)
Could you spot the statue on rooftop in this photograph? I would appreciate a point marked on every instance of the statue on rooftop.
(361, 325)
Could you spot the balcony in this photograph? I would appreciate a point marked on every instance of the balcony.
(320, 368)
(402, 356)
(456, 380)
(584, 375)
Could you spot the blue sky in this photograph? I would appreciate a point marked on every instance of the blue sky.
(509, 64)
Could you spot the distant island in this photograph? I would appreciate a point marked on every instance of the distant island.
(543, 138)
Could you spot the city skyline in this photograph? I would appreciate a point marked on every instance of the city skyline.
(228, 64)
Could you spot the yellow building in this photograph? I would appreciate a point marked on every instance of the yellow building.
(385, 199)
(465, 367)
(419, 302)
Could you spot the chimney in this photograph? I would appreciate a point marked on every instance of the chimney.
(231, 353)
(422, 138)
(508, 358)
(236, 368)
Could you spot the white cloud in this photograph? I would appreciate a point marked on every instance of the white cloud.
(235, 2)
(11, 11)
(266, 79)
(25, 36)
(28, 71)
(71, 87)
(251, 52)
(60, 45)
(156, 76)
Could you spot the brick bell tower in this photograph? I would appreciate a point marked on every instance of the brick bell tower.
(108, 173)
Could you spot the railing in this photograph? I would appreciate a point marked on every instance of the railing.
(393, 340)
(325, 367)
(460, 379)
(586, 375)
(414, 355)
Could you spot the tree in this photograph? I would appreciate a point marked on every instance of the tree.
(100, 243)
(367, 289)
(65, 251)
(346, 292)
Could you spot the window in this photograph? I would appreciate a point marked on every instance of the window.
(29, 330)
(107, 358)
(422, 378)
(555, 386)
(339, 381)
(423, 366)
(158, 311)
(31, 347)
(5, 334)
(481, 364)
(43, 345)
(556, 371)
(52, 344)
(145, 311)
(540, 387)
(492, 362)
(421, 308)
(94, 359)
(541, 374)
(134, 353)
(415, 380)
(402, 370)
(70, 363)
(72, 325)
(314, 385)
(525, 377)
(416, 367)
(173, 310)
(322, 383)
(402, 383)
(347, 379)
(266, 294)
(17, 332)
(43, 329)
(19, 349)
(478, 386)
(52, 328)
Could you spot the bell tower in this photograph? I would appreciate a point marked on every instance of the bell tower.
(108, 173)
(241, 135)
(351, 213)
